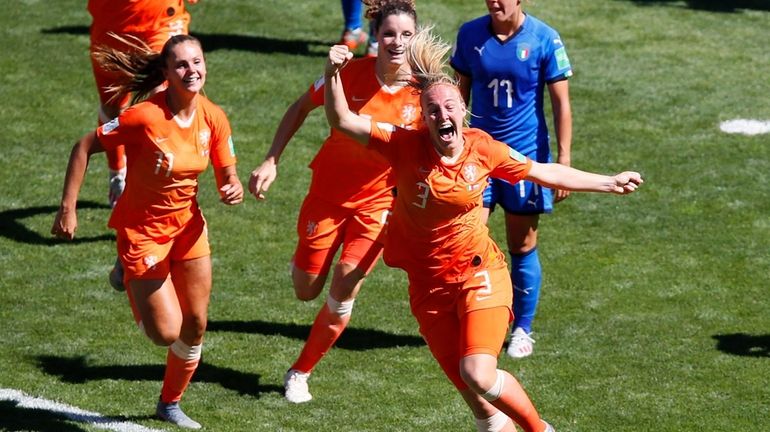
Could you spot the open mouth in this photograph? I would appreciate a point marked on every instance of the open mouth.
(446, 131)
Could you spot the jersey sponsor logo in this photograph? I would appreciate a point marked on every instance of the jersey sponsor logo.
(110, 126)
(480, 50)
(562, 62)
(522, 51)
(517, 156)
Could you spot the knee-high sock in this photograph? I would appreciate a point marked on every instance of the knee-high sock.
(327, 328)
(508, 396)
(351, 10)
(181, 362)
(526, 275)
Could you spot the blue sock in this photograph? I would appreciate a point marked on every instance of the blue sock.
(351, 9)
(526, 275)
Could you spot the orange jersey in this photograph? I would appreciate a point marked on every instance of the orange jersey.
(165, 157)
(141, 18)
(435, 231)
(344, 171)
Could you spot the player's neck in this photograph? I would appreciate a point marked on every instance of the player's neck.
(506, 29)
(392, 76)
(182, 106)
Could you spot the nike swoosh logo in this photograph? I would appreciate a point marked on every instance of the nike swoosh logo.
(160, 140)
(482, 298)
(358, 99)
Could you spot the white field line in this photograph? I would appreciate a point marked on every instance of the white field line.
(76, 414)
(745, 127)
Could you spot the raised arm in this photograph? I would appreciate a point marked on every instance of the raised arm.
(559, 176)
(264, 175)
(336, 106)
(66, 221)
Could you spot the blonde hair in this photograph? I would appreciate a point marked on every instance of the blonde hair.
(427, 56)
(140, 69)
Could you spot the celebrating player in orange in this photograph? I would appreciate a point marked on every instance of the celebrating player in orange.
(459, 288)
(162, 236)
(151, 21)
(351, 192)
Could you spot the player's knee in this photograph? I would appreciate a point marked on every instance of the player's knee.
(478, 380)
(493, 391)
(307, 286)
(162, 336)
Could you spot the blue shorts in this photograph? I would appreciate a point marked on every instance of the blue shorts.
(524, 197)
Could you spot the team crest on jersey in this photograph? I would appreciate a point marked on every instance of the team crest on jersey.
(408, 113)
(522, 51)
(470, 173)
(203, 137)
(110, 126)
(150, 261)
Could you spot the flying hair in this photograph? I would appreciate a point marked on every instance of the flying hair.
(140, 69)
(427, 56)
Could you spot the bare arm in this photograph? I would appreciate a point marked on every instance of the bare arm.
(264, 175)
(230, 188)
(559, 176)
(336, 106)
(66, 221)
(562, 119)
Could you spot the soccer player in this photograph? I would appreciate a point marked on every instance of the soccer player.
(351, 191)
(459, 289)
(504, 61)
(161, 233)
(153, 22)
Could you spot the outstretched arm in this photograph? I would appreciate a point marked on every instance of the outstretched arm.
(264, 175)
(337, 111)
(559, 176)
(66, 221)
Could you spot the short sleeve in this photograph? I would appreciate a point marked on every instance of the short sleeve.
(458, 60)
(507, 163)
(222, 145)
(557, 65)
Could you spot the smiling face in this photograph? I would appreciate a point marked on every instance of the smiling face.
(444, 112)
(393, 35)
(185, 67)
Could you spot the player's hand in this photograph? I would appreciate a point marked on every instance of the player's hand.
(231, 193)
(339, 56)
(65, 224)
(627, 182)
(560, 195)
(262, 178)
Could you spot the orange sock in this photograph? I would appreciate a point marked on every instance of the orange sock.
(327, 328)
(181, 362)
(514, 402)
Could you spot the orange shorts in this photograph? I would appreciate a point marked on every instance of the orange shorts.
(458, 320)
(144, 258)
(322, 227)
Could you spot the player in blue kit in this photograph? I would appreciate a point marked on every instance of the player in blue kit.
(504, 61)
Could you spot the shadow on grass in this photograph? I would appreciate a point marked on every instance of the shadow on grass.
(216, 41)
(75, 370)
(742, 344)
(714, 5)
(354, 339)
(16, 418)
(12, 227)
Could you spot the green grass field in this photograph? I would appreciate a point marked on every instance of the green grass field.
(655, 312)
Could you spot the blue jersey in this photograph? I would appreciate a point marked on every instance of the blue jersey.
(508, 78)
